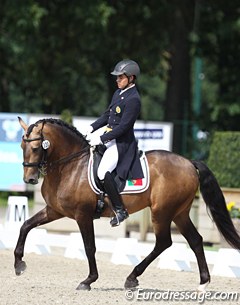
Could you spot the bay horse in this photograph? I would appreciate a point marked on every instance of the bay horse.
(61, 153)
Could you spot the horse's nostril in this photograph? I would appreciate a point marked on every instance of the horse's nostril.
(31, 181)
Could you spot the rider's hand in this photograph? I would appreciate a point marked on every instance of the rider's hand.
(94, 140)
(88, 132)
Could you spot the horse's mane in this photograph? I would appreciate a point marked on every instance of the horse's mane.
(59, 122)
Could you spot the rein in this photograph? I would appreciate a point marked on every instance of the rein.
(70, 157)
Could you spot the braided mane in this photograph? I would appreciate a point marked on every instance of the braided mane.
(59, 122)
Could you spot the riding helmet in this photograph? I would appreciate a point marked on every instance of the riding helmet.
(126, 66)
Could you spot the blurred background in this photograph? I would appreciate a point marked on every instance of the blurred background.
(56, 57)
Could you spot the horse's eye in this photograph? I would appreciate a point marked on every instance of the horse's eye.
(35, 149)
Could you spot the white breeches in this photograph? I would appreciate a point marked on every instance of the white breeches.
(109, 160)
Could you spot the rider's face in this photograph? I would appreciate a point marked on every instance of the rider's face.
(122, 81)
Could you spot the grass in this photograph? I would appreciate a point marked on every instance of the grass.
(212, 248)
(4, 198)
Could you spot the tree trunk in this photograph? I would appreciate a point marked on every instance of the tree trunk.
(5, 105)
(178, 96)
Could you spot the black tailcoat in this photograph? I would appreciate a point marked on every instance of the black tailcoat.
(120, 116)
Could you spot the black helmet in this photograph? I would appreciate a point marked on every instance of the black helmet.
(128, 67)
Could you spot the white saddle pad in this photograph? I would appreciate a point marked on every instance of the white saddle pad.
(132, 186)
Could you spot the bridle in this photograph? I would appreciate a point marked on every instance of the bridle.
(43, 164)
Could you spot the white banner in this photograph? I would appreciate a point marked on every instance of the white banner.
(150, 135)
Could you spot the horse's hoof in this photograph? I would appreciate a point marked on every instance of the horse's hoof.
(20, 268)
(83, 286)
(131, 284)
(202, 287)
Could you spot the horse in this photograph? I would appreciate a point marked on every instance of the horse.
(61, 153)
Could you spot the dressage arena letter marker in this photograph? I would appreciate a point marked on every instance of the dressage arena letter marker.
(17, 211)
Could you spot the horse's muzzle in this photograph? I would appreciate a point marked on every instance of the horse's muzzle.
(31, 181)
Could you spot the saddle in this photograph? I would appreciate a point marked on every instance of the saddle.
(97, 156)
(124, 187)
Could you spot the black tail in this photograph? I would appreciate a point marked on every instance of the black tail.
(215, 201)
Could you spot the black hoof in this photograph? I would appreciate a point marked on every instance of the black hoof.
(131, 284)
(20, 268)
(82, 286)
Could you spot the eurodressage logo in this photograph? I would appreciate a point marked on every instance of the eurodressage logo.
(153, 295)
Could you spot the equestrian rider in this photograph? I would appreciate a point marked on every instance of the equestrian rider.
(121, 146)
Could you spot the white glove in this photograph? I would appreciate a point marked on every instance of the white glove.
(88, 132)
(94, 139)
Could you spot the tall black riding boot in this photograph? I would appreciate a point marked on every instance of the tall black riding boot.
(111, 189)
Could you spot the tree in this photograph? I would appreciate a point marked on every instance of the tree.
(56, 55)
(178, 97)
(220, 46)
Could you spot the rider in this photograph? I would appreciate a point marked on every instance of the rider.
(121, 145)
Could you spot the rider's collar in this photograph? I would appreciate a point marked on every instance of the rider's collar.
(126, 89)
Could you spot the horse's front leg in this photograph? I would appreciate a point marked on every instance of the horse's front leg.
(42, 217)
(87, 231)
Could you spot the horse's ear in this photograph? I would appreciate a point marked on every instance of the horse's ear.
(22, 123)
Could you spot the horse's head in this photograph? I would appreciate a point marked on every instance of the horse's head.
(67, 144)
(34, 148)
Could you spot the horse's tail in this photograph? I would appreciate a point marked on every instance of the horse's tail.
(215, 201)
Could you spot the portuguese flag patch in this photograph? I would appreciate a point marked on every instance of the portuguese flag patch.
(135, 182)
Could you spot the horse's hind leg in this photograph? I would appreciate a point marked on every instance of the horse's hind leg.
(188, 230)
(163, 241)
(42, 217)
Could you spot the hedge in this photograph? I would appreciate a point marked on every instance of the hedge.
(224, 158)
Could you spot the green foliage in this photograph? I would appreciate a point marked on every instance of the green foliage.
(233, 210)
(4, 197)
(66, 116)
(224, 158)
(57, 55)
(219, 45)
(152, 90)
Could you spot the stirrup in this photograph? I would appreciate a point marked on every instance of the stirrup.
(120, 216)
